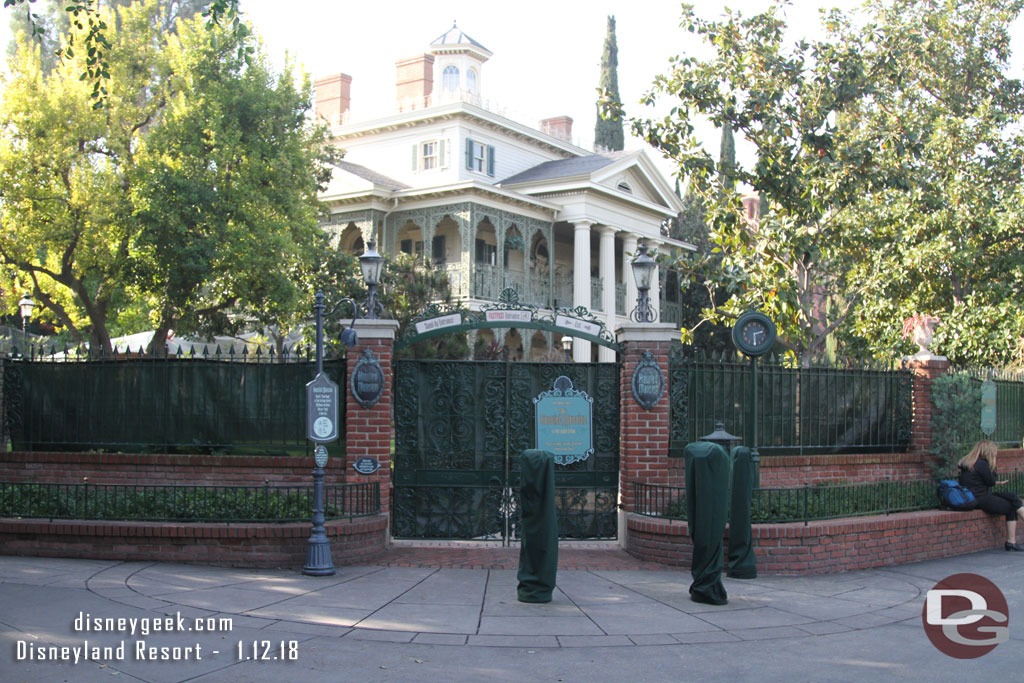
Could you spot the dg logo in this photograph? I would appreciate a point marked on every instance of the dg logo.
(966, 616)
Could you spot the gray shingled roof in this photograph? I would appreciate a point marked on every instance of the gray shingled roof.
(367, 174)
(456, 36)
(564, 168)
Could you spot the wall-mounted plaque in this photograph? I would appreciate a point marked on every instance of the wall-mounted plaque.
(367, 382)
(648, 382)
(321, 409)
(366, 465)
(565, 422)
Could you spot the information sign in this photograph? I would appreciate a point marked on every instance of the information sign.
(565, 422)
(322, 409)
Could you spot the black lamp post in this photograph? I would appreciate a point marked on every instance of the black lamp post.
(318, 549)
(372, 265)
(567, 348)
(25, 306)
(643, 271)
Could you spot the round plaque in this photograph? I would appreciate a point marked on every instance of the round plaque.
(320, 456)
(323, 426)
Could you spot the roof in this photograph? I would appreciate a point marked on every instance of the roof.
(378, 179)
(456, 36)
(565, 168)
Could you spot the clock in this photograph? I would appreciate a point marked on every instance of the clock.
(754, 333)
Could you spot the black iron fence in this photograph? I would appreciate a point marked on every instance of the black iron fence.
(185, 503)
(798, 410)
(808, 503)
(246, 403)
(1009, 404)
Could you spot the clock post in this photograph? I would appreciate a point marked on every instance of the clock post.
(754, 334)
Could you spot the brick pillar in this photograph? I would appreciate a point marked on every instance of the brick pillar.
(368, 431)
(643, 434)
(925, 370)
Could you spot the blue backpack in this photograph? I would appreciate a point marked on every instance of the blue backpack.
(954, 496)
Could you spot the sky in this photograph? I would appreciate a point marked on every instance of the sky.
(546, 53)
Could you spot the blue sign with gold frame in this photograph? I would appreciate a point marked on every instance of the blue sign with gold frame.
(565, 424)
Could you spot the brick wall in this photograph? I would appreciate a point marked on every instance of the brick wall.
(232, 545)
(121, 468)
(833, 546)
(368, 431)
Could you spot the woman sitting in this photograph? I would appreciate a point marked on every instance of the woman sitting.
(977, 472)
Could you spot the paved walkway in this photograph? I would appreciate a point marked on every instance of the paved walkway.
(606, 613)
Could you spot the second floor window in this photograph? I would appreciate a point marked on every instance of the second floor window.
(430, 155)
(479, 157)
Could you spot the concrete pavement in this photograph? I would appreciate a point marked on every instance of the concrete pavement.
(370, 623)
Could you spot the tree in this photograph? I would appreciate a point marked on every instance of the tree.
(194, 193)
(789, 102)
(608, 134)
(85, 15)
(958, 238)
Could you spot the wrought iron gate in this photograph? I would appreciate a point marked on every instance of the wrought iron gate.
(459, 428)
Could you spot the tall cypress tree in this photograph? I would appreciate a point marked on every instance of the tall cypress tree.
(727, 159)
(608, 132)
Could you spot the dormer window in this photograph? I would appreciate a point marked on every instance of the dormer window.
(624, 187)
(450, 78)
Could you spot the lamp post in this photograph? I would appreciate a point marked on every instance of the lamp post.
(25, 306)
(643, 271)
(567, 348)
(321, 403)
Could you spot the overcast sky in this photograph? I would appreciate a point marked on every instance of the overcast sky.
(547, 53)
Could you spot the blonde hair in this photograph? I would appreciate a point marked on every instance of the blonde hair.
(983, 449)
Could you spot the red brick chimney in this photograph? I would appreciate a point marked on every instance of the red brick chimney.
(332, 97)
(558, 127)
(414, 82)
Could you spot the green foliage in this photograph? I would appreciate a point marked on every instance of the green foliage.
(608, 133)
(193, 196)
(956, 424)
(831, 500)
(179, 503)
(409, 289)
(889, 162)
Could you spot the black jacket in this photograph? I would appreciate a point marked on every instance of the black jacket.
(979, 480)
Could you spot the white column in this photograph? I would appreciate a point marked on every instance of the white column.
(628, 253)
(607, 271)
(581, 282)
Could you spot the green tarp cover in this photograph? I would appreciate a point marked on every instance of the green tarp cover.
(707, 482)
(742, 563)
(538, 550)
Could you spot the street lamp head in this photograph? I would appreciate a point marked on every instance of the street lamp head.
(643, 268)
(643, 272)
(372, 265)
(26, 305)
(566, 344)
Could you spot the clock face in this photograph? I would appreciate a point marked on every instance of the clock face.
(754, 333)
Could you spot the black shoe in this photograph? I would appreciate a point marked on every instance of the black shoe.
(1013, 546)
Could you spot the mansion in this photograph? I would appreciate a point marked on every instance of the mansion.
(494, 202)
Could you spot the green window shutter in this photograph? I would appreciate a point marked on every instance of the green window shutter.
(469, 154)
(490, 160)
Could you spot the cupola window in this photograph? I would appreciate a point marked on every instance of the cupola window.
(471, 80)
(450, 78)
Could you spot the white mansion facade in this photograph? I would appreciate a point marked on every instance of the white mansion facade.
(494, 202)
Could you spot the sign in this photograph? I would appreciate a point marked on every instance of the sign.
(322, 409)
(366, 465)
(508, 316)
(648, 382)
(988, 407)
(966, 616)
(438, 323)
(593, 329)
(565, 424)
(320, 455)
(367, 382)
